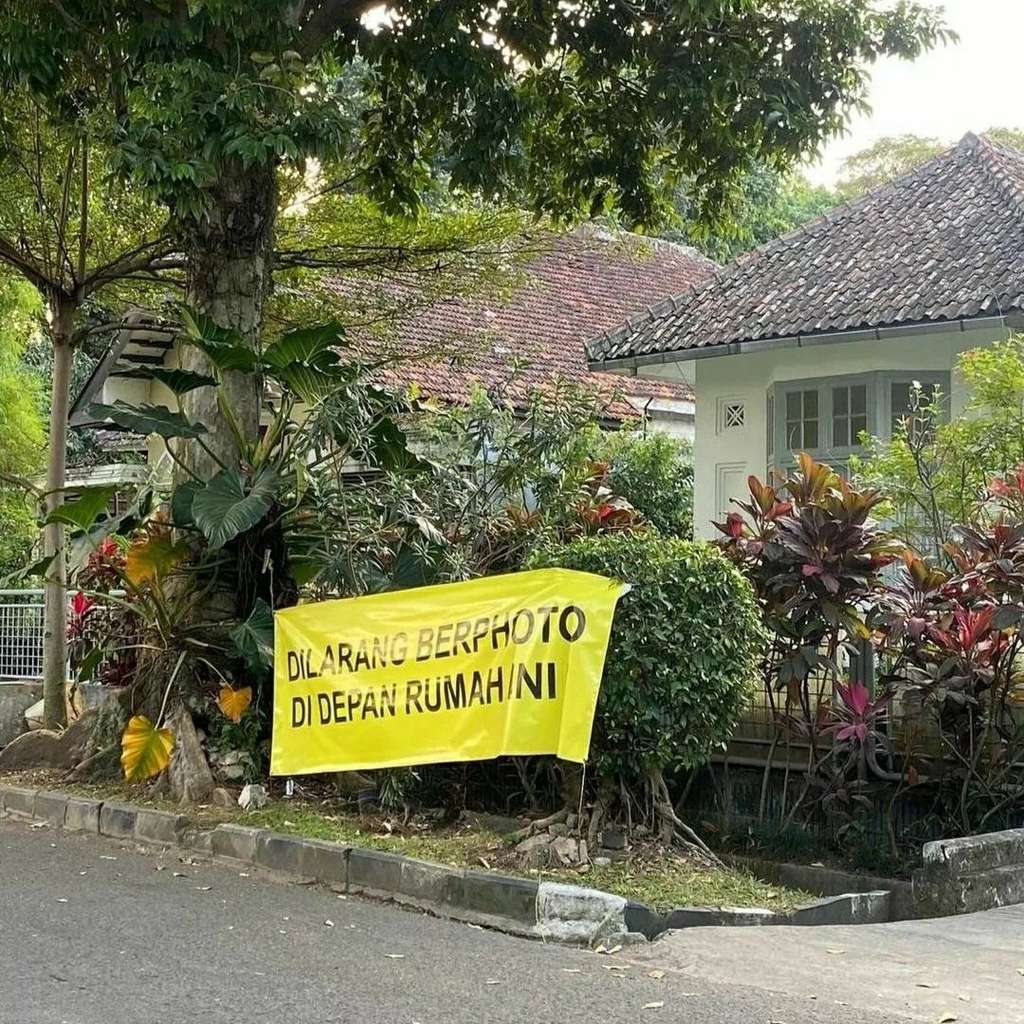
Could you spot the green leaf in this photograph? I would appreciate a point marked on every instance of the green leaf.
(306, 361)
(225, 348)
(181, 503)
(229, 505)
(148, 419)
(254, 638)
(181, 382)
(83, 511)
(37, 568)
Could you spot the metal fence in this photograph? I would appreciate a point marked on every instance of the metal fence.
(21, 634)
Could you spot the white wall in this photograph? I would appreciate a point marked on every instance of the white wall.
(723, 460)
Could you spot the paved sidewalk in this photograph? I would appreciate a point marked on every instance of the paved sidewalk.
(969, 969)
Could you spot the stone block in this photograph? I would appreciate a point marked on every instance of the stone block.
(164, 827)
(719, 917)
(50, 807)
(850, 908)
(500, 896)
(375, 870)
(236, 842)
(569, 913)
(431, 883)
(973, 854)
(643, 919)
(325, 861)
(82, 814)
(15, 700)
(117, 820)
(279, 853)
(19, 800)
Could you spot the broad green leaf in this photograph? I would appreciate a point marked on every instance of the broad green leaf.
(148, 419)
(230, 505)
(145, 749)
(90, 663)
(37, 568)
(83, 511)
(254, 638)
(306, 361)
(151, 557)
(225, 348)
(181, 382)
(233, 703)
(181, 503)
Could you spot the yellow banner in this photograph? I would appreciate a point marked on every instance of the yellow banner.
(458, 672)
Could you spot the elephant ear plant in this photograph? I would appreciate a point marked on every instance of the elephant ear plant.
(204, 569)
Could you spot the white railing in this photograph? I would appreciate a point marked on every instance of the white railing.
(21, 634)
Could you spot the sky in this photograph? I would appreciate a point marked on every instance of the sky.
(967, 86)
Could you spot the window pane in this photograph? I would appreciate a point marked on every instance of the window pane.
(840, 431)
(770, 432)
(840, 403)
(858, 426)
(810, 405)
(793, 435)
(793, 405)
(900, 392)
(859, 399)
(811, 433)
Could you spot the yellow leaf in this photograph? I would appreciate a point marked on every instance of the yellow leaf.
(145, 749)
(151, 556)
(234, 702)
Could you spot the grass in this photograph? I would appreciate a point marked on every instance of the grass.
(660, 882)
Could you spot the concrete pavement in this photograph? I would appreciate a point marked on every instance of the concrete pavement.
(92, 932)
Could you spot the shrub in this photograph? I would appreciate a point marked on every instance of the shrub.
(655, 475)
(683, 655)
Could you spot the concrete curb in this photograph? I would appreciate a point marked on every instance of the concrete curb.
(546, 910)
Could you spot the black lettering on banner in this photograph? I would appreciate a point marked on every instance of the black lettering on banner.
(523, 615)
(294, 666)
(387, 701)
(380, 651)
(547, 611)
(425, 644)
(327, 664)
(461, 638)
(499, 628)
(413, 689)
(362, 659)
(309, 673)
(355, 698)
(551, 680)
(495, 681)
(369, 705)
(299, 711)
(444, 634)
(345, 656)
(435, 704)
(533, 683)
(455, 691)
(575, 612)
(323, 701)
(399, 648)
(480, 629)
(476, 691)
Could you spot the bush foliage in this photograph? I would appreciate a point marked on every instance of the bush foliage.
(654, 473)
(683, 655)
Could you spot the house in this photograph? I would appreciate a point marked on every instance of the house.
(805, 342)
(572, 287)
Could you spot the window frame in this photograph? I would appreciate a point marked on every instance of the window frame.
(878, 384)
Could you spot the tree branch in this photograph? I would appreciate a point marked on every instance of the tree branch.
(325, 21)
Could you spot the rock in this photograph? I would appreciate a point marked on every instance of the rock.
(602, 862)
(191, 781)
(34, 717)
(570, 821)
(613, 839)
(222, 797)
(42, 748)
(232, 765)
(536, 851)
(253, 797)
(566, 849)
(558, 829)
(584, 853)
(533, 843)
(499, 823)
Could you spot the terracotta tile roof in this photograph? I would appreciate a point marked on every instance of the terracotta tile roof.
(579, 284)
(945, 242)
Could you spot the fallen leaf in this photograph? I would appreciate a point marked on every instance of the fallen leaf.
(395, 956)
(233, 703)
(203, 888)
(836, 952)
(492, 981)
(964, 999)
(572, 970)
(1020, 970)
(615, 967)
(483, 860)
(328, 923)
(106, 856)
(657, 1005)
(38, 824)
(62, 900)
(243, 874)
(656, 975)
(948, 1018)
(926, 984)
(180, 874)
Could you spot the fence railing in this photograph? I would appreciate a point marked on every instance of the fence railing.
(21, 634)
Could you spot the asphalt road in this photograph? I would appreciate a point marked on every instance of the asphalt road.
(95, 933)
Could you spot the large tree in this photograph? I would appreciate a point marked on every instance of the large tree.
(582, 105)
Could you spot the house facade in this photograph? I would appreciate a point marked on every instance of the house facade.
(814, 339)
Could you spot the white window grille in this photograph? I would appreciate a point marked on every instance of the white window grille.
(21, 634)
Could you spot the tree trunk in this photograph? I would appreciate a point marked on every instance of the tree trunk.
(229, 254)
(55, 644)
